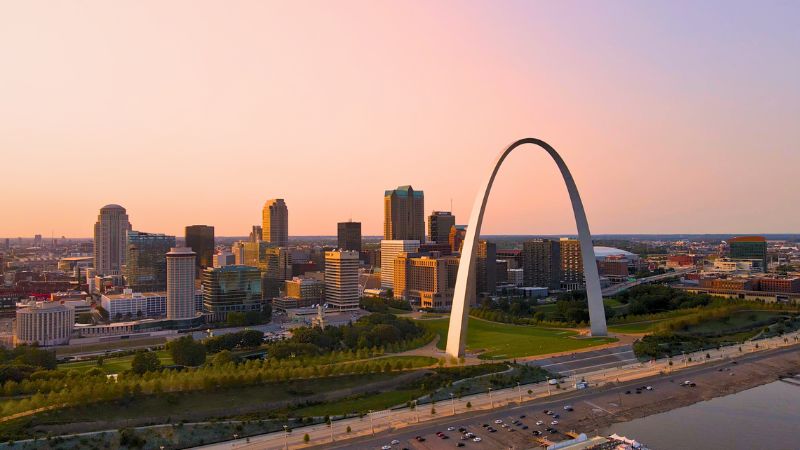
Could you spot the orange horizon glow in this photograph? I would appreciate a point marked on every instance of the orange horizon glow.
(673, 117)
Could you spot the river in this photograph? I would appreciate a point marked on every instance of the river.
(766, 417)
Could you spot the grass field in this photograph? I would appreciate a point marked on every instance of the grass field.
(502, 341)
(636, 327)
(121, 344)
(416, 361)
(113, 365)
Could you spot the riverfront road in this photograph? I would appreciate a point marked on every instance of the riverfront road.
(592, 409)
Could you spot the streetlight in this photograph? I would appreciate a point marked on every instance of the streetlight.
(491, 403)
(371, 423)
(547, 380)
(286, 437)
(330, 424)
(519, 392)
(416, 411)
(453, 403)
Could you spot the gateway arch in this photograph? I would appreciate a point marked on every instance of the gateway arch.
(465, 281)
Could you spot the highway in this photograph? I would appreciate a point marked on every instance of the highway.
(617, 288)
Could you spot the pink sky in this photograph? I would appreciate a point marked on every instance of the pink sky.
(673, 117)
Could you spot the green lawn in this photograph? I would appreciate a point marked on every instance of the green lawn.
(502, 341)
(113, 365)
(636, 327)
(416, 361)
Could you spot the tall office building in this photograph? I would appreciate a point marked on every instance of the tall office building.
(749, 247)
(146, 261)
(456, 237)
(275, 226)
(349, 235)
(276, 268)
(571, 264)
(390, 249)
(181, 269)
(44, 324)
(200, 238)
(439, 224)
(541, 263)
(109, 240)
(341, 280)
(486, 268)
(256, 234)
(231, 289)
(404, 214)
(422, 280)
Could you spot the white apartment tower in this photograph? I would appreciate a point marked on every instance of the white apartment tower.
(110, 237)
(341, 279)
(180, 283)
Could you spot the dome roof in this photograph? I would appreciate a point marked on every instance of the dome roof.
(113, 206)
(602, 252)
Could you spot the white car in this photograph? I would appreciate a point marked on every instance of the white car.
(555, 422)
(395, 442)
(477, 439)
(649, 388)
(451, 428)
(498, 421)
(540, 422)
(386, 447)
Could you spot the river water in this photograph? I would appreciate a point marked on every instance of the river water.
(766, 417)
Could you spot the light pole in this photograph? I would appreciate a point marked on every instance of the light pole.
(286, 437)
(547, 379)
(519, 392)
(416, 412)
(491, 403)
(330, 424)
(453, 403)
(371, 423)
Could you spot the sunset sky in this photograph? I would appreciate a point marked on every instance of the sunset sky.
(674, 117)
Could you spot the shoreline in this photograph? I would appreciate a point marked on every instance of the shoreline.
(710, 384)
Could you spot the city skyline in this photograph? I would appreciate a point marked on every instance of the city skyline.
(671, 119)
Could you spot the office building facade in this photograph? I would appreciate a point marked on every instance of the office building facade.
(439, 224)
(404, 214)
(231, 289)
(541, 263)
(146, 261)
(275, 222)
(200, 238)
(422, 280)
(390, 249)
(349, 236)
(749, 247)
(571, 264)
(341, 280)
(44, 323)
(486, 268)
(110, 239)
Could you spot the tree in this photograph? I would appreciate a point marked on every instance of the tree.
(222, 358)
(349, 429)
(306, 438)
(145, 362)
(469, 404)
(187, 352)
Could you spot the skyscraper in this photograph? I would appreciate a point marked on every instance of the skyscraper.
(200, 238)
(341, 280)
(486, 268)
(275, 224)
(456, 237)
(541, 263)
(276, 268)
(404, 214)
(110, 240)
(390, 249)
(422, 280)
(181, 269)
(439, 224)
(349, 235)
(256, 234)
(146, 261)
